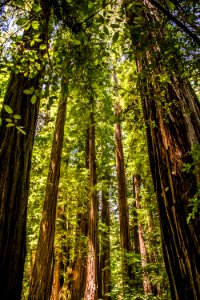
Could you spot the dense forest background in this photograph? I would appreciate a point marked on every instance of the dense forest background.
(99, 150)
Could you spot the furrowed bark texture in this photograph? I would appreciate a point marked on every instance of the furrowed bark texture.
(172, 113)
(40, 285)
(91, 292)
(15, 165)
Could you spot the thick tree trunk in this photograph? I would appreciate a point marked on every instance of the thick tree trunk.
(172, 114)
(105, 249)
(122, 200)
(15, 165)
(91, 292)
(143, 250)
(40, 285)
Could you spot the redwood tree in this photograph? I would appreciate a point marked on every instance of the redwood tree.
(42, 273)
(15, 163)
(91, 289)
(172, 114)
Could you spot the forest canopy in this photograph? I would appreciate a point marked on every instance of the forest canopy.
(99, 149)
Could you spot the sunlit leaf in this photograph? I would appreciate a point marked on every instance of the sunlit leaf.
(10, 125)
(8, 109)
(21, 130)
(17, 117)
(33, 99)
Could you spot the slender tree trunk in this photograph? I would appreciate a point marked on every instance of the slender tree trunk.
(61, 254)
(122, 200)
(15, 164)
(172, 113)
(143, 251)
(153, 242)
(79, 269)
(40, 285)
(91, 275)
(105, 248)
(138, 282)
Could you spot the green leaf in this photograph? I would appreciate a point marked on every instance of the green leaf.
(114, 25)
(43, 47)
(28, 92)
(76, 42)
(35, 25)
(105, 29)
(8, 120)
(33, 99)
(100, 19)
(37, 8)
(32, 43)
(170, 5)
(27, 26)
(21, 21)
(115, 36)
(10, 125)
(17, 117)
(8, 109)
(21, 130)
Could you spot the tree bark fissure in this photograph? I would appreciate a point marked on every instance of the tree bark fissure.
(40, 285)
(91, 288)
(15, 164)
(172, 114)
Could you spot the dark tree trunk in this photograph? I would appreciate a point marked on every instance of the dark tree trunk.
(105, 249)
(91, 292)
(40, 285)
(172, 114)
(15, 165)
(122, 200)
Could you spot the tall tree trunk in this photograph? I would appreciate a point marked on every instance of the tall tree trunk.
(15, 164)
(143, 251)
(138, 282)
(79, 269)
(105, 248)
(40, 285)
(172, 113)
(91, 275)
(61, 253)
(122, 200)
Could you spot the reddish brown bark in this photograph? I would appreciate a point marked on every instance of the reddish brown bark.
(91, 292)
(172, 113)
(40, 285)
(15, 165)
(79, 268)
